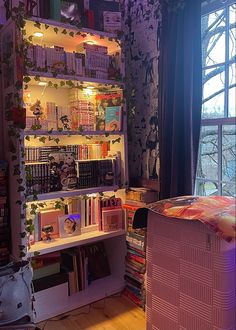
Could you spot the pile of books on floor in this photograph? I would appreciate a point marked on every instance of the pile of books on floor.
(136, 245)
(4, 224)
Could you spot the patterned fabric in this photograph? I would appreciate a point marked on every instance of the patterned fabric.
(190, 276)
(216, 212)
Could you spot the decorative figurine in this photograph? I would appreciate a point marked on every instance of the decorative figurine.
(47, 231)
(36, 108)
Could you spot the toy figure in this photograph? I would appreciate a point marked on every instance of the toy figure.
(36, 108)
(47, 231)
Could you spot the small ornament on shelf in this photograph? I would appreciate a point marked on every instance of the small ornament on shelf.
(47, 231)
(36, 108)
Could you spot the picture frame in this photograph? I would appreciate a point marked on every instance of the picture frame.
(112, 219)
(69, 225)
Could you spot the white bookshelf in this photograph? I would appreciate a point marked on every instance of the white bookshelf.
(99, 289)
(55, 300)
(86, 81)
(68, 242)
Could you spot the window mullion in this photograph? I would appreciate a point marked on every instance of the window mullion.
(220, 159)
(226, 98)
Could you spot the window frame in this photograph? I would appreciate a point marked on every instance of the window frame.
(207, 8)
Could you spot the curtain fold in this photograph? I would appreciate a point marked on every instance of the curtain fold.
(180, 96)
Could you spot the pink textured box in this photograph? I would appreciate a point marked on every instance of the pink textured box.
(191, 275)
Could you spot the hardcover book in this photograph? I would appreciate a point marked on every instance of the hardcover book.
(98, 265)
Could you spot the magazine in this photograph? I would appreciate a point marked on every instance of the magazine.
(108, 111)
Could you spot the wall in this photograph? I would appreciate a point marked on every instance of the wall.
(141, 35)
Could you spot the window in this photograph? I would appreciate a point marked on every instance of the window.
(216, 168)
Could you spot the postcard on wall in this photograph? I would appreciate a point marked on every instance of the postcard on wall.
(69, 225)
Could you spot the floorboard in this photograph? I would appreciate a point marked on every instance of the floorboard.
(111, 313)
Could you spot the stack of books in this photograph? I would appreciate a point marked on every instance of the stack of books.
(135, 259)
(4, 223)
(136, 245)
(82, 110)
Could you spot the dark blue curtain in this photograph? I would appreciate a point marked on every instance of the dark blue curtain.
(180, 95)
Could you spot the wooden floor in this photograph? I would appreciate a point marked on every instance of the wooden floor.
(112, 313)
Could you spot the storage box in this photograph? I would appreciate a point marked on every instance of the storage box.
(191, 275)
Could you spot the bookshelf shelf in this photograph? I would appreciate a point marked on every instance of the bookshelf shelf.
(99, 289)
(71, 193)
(68, 242)
(85, 81)
(68, 133)
(98, 37)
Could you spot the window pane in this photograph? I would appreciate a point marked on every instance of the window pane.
(232, 40)
(208, 153)
(229, 189)
(232, 14)
(228, 153)
(214, 108)
(213, 38)
(208, 188)
(232, 90)
(232, 103)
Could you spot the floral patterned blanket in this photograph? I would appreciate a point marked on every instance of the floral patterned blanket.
(217, 212)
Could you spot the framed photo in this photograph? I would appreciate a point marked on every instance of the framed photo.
(48, 220)
(112, 219)
(69, 225)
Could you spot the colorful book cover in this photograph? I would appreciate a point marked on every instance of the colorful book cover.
(103, 101)
(113, 118)
(63, 174)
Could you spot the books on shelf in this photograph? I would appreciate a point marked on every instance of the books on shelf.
(136, 250)
(84, 265)
(83, 214)
(63, 174)
(50, 169)
(92, 61)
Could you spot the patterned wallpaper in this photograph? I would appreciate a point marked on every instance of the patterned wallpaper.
(141, 35)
